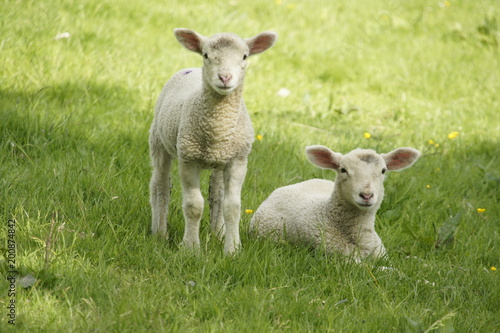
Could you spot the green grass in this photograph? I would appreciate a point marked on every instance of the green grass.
(74, 166)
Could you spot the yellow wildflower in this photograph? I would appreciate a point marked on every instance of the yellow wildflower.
(427, 186)
(493, 268)
(481, 210)
(259, 137)
(248, 211)
(431, 142)
(291, 6)
(367, 135)
(436, 145)
(278, 2)
(453, 135)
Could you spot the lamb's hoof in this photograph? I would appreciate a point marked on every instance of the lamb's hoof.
(160, 234)
(232, 250)
(190, 245)
(219, 232)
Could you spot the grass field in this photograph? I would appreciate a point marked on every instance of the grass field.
(75, 111)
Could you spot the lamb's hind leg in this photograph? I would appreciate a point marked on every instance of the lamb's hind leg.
(216, 197)
(160, 189)
(234, 176)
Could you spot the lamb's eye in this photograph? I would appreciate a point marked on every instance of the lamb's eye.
(245, 56)
(383, 171)
(343, 170)
(205, 55)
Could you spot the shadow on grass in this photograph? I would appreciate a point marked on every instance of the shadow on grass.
(72, 113)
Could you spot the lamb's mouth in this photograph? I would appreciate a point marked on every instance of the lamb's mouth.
(365, 204)
(225, 89)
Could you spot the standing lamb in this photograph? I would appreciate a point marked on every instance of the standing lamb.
(339, 215)
(201, 119)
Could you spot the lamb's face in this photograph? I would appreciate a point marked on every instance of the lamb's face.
(361, 179)
(224, 55)
(224, 62)
(361, 173)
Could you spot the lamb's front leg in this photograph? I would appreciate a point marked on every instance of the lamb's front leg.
(192, 203)
(371, 244)
(234, 176)
(216, 197)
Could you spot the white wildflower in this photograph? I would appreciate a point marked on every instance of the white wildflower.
(283, 92)
(62, 35)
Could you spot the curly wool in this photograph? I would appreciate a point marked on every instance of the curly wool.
(196, 126)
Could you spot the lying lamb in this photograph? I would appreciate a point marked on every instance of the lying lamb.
(339, 215)
(201, 119)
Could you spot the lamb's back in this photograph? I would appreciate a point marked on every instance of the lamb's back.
(178, 94)
(178, 89)
(296, 210)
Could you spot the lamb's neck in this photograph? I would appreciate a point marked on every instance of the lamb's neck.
(222, 105)
(217, 121)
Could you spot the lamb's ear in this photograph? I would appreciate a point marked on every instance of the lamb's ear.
(400, 158)
(190, 39)
(261, 42)
(323, 157)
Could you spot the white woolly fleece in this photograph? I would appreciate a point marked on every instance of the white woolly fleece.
(339, 215)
